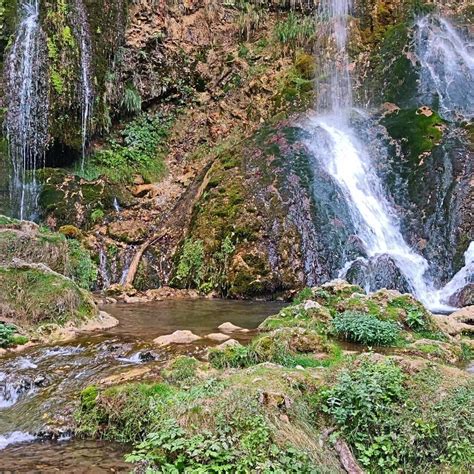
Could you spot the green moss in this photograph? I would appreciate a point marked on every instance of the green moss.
(417, 132)
(35, 296)
(39, 245)
(89, 397)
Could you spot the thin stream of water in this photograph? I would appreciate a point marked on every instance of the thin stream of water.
(27, 109)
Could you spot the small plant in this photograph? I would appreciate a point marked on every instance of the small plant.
(132, 100)
(303, 295)
(365, 329)
(249, 19)
(416, 320)
(360, 403)
(234, 446)
(8, 336)
(139, 150)
(97, 215)
(231, 357)
(297, 31)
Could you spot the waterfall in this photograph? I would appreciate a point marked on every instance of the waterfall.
(447, 66)
(337, 145)
(27, 103)
(82, 33)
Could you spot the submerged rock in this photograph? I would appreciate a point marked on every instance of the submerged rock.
(218, 337)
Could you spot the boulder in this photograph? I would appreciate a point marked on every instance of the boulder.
(178, 337)
(463, 297)
(218, 337)
(229, 327)
(376, 273)
(228, 343)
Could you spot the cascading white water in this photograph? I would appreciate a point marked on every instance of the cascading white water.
(336, 145)
(81, 28)
(447, 61)
(27, 102)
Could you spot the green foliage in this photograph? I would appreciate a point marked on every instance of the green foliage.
(216, 271)
(232, 357)
(395, 423)
(467, 352)
(365, 329)
(289, 347)
(359, 403)
(9, 336)
(239, 446)
(140, 151)
(83, 270)
(297, 31)
(249, 20)
(89, 397)
(57, 81)
(37, 297)
(97, 215)
(418, 132)
(296, 87)
(189, 272)
(182, 369)
(120, 413)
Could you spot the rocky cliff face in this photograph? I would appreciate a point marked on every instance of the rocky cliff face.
(199, 167)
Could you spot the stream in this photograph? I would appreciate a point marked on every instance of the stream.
(37, 385)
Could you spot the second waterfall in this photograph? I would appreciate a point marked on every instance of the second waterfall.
(385, 258)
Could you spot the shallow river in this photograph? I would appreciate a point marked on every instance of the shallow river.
(37, 385)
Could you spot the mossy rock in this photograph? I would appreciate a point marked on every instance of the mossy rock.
(312, 316)
(66, 199)
(419, 130)
(34, 244)
(32, 294)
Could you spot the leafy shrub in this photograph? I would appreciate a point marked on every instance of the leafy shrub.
(361, 402)
(396, 423)
(139, 150)
(182, 369)
(132, 100)
(365, 329)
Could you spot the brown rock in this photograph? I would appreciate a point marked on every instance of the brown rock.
(129, 231)
(178, 337)
(229, 343)
(218, 337)
(229, 327)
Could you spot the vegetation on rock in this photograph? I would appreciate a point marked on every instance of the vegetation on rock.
(286, 401)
